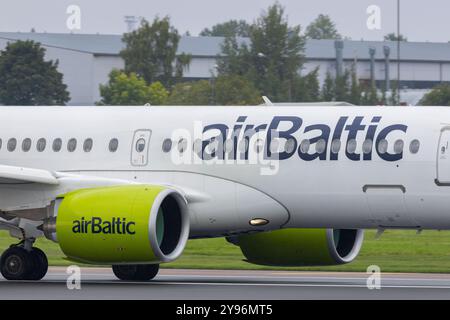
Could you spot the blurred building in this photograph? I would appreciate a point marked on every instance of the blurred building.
(86, 60)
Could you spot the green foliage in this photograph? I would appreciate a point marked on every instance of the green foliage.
(237, 59)
(348, 88)
(158, 94)
(355, 89)
(307, 88)
(235, 90)
(439, 96)
(273, 58)
(198, 93)
(131, 90)
(342, 87)
(151, 52)
(232, 28)
(27, 79)
(394, 99)
(393, 37)
(370, 96)
(224, 90)
(322, 28)
(277, 52)
(339, 88)
(328, 88)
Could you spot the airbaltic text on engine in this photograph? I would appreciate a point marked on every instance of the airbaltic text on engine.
(97, 225)
(244, 131)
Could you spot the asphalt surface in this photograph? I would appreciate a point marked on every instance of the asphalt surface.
(99, 283)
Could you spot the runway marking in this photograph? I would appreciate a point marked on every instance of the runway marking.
(306, 285)
(218, 284)
(304, 278)
(283, 278)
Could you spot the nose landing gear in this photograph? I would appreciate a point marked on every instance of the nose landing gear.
(22, 263)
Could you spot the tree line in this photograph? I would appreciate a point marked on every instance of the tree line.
(265, 57)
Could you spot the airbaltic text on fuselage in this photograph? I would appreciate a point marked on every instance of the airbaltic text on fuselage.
(288, 128)
(97, 225)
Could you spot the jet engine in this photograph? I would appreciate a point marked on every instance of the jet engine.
(120, 225)
(302, 247)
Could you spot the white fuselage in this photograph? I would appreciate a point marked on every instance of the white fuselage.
(353, 189)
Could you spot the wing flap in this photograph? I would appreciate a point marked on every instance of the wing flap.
(12, 175)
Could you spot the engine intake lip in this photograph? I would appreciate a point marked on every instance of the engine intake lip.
(176, 230)
(346, 247)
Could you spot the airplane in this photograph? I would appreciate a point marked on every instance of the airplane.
(290, 185)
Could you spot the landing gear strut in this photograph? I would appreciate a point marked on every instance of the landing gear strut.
(136, 272)
(23, 262)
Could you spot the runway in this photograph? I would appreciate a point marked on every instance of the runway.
(100, 283)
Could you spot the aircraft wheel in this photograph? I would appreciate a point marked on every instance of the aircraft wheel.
(136, 272)
(16, 263)
(40, 264)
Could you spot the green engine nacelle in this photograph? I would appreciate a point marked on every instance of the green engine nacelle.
(302, 247)
(123, 224)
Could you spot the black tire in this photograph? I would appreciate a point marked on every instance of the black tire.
(40, 264)
(147, 272)
(136, 272)
(125, 272)
(16, 263)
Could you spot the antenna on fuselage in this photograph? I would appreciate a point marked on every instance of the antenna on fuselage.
(267, 101)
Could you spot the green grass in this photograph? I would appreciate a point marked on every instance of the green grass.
(396, 251)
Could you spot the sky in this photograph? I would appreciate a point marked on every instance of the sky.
(420, 20)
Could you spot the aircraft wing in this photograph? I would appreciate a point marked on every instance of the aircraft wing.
(17, 175)
(27, 188)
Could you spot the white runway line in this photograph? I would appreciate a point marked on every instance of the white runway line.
(278, 278)
(218, 284)
(106, 277)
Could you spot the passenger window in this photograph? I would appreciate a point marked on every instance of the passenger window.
(182, 145)
(72, 145)
(336, 146)
(321, 145)
(87, 145)
(398, 146)
(289, 146)
(57, 145)
(243, 145)
(40, 145)
(274, 146)
(351, 146)
(413, 147)
(304, 146)
(113, 145)
(367, 146)
(12, 144)
(382, 146)
(259, 145)
(198, 145)
(167, 145)
(26, 145)
(211, 147)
